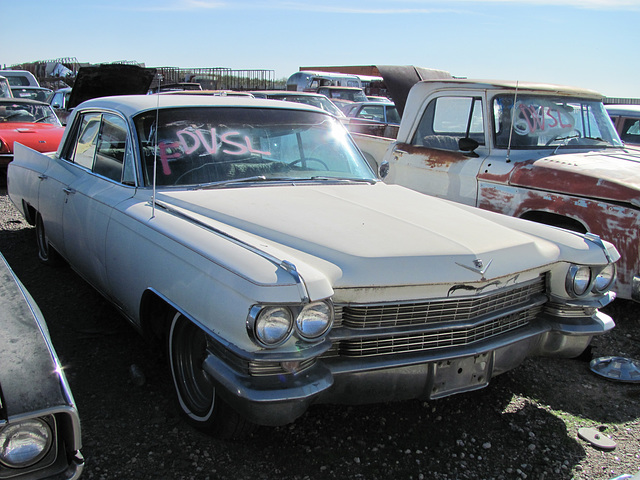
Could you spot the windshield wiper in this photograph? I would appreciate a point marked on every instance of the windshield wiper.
(343, 179)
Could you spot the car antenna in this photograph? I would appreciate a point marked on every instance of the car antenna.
(155, 149)
(513, 114)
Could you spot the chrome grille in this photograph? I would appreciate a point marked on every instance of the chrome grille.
(448, 322)
(441, 312)
(416, 342)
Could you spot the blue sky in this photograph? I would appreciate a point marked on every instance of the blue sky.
(586, 43)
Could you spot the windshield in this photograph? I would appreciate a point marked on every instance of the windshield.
(206, 145)
(27, 112)
(353, 95)
(551, 121)
(34, 93)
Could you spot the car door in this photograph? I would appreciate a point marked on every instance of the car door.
(432, 161)
(103, 153)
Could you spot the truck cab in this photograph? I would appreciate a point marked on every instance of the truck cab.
(541, 152)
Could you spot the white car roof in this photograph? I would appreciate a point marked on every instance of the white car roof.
(130, 105)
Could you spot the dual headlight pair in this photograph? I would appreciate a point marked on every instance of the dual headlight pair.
(26, 442)
(272, 325)
(583, 279)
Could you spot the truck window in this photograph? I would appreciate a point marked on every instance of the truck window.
(448, 119)
(544, 121)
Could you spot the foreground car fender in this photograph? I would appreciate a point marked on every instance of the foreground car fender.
(35, 393)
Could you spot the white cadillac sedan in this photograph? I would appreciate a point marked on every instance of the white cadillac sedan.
(253, 239)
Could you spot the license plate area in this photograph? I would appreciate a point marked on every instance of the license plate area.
(461, 374)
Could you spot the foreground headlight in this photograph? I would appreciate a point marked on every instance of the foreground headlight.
(578, 280)
(605, 278)
(25, 443)
(314, 320)
(273, 325)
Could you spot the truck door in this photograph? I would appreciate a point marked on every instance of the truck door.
(432, 162)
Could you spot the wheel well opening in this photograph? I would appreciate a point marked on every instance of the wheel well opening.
(154, 316)
(29, 213)
(555, 220)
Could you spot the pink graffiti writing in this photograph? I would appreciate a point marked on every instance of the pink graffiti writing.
(190, 141)
(541, 118)
(232, 143)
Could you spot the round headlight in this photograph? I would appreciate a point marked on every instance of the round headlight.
(605, 278)
(314, 320)
(25, 443)
(273, 325)
(578, 280)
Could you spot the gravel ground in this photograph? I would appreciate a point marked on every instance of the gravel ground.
(524, 425)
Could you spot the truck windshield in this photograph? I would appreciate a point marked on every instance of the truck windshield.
(204, 145)
(551, 121)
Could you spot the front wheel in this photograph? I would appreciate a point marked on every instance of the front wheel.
(196, 393)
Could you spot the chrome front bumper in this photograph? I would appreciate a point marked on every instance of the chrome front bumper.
(279, 399)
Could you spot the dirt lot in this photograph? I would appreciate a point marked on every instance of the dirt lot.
(523, 426)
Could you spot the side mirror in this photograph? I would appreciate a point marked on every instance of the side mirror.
(468, 145)
(383, 171)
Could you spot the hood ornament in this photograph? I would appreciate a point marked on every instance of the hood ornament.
(478, 266)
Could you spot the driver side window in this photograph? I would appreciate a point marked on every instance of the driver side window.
(448, 119)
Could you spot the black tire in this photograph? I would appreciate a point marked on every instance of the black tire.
(196, 394)
(46, 253)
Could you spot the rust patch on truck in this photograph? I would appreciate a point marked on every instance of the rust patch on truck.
(568, 177)
(432, 157)
(616, 223)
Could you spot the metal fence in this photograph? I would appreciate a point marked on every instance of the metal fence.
(62, 72)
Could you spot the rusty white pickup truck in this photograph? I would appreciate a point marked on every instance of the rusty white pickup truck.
(540, 152)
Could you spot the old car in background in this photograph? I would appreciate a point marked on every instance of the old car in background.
(626, 119)
(541, 152)
(214, 93)
(306, 98)
(373, 118)
(252, 238)
(310, 81)
(20, 78)
(34, 93)
(39, 424)
(343, 97)
(101, 81)
(59, 102)
(28, 122)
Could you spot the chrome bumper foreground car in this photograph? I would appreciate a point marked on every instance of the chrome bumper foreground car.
(39, 424)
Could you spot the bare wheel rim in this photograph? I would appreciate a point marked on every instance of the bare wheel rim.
(43, 241)
(188, 350)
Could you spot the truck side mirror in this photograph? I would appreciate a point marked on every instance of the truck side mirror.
(383, 171)
(468, 145)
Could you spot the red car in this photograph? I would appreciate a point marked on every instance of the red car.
(29, 122)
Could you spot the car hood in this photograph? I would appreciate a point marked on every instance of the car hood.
(110, 79)
(612, 175)
(368, 235)
(42, 137)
